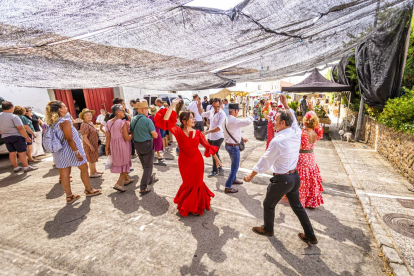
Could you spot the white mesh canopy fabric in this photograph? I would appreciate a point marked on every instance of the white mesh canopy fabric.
(163, 45)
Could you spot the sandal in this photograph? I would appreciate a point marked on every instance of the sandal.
(119, 188)
(128, 182)
(146, 191)
(195, 214)
(72, 198)
(95, 175)
(99, 172)
(93, 192)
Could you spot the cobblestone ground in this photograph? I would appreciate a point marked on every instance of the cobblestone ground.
(129, 234)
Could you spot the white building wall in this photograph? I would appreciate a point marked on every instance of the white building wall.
(25, 96)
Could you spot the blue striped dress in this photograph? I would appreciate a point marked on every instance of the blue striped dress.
(66, 156)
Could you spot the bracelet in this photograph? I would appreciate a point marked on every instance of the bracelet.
(76, 152)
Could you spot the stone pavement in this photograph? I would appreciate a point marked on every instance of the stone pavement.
(129, 234)
(386, 200)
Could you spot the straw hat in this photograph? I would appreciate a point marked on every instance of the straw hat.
(141, 105)
(86, 110)
(153, 109)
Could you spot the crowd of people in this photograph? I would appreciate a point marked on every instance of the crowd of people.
(145, 130)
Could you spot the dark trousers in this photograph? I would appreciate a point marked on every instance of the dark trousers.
(288, 185)
(199, 125)
(133, 150)
(145, 152)
(216, 143)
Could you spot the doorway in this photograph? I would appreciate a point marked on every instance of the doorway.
(79, 100)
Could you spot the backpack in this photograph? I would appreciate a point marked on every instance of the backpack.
(51, 142)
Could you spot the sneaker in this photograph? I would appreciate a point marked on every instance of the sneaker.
(212, 174)
(29, 169)
(18, 169)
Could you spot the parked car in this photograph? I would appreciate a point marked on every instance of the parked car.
(166, 98)
(3, 149)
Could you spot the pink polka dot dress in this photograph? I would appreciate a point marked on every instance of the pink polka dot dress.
(310, 190)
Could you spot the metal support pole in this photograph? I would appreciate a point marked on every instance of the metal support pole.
(360, 116)
(339, 110)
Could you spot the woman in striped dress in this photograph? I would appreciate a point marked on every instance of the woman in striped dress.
(72, 153)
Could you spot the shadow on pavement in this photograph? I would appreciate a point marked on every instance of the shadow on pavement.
(209, 241)
(56, 191)
(310, 264)
(14, 178)
(52, 172)
(128, 202)
(337, 231)
(68, 219)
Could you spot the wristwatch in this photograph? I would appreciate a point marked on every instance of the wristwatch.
(76, 152)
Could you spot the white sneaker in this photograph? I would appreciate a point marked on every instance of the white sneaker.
(18, 169)
(29, 169)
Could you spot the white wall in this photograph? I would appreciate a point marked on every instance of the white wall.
(25, 96)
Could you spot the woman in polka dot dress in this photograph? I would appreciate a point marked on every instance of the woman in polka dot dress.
(310, 190)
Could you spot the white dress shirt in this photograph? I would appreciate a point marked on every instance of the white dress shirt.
(100, 118)
(283, 152)
(194, 108)
(216, 120)
(234, 126)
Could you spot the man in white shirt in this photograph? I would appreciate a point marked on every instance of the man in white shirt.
(101, 118)
(195, 106)
(281, 158)
(232, 136)
(215, 133)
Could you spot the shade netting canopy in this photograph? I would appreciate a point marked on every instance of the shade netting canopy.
(164, 45)
(315, 82)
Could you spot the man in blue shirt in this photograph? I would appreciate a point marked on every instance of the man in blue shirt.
(226, 106)
(143, 132)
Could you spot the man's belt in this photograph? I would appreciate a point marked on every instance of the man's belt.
(289, 172)
(306, 151)
(232, 145)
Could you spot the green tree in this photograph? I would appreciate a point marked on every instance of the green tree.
(408, 79)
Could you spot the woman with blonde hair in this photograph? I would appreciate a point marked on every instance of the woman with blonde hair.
(310, 190)
(90, 141)
(72, 153)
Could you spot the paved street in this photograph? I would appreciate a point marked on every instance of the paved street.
(129, 234)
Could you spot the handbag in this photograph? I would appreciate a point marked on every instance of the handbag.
(241, 143)
(108, 162)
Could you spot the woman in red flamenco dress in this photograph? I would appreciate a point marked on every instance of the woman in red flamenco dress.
(193, 196)
(310, 191)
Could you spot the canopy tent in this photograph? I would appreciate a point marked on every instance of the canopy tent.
(165, 45)
(315, 82)
(226, 93)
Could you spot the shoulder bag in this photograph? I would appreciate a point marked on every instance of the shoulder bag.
(240, 144)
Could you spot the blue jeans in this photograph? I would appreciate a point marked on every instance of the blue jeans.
(234, 153)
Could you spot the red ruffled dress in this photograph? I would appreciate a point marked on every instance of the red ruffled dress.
(310, 190)
(193, 196)
(270, 129)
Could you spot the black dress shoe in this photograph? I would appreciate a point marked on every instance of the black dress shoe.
(262, 231)
(304, 238)
(212, 174)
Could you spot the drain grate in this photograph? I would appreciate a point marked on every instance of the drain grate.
(406, 203)
(400, 223)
